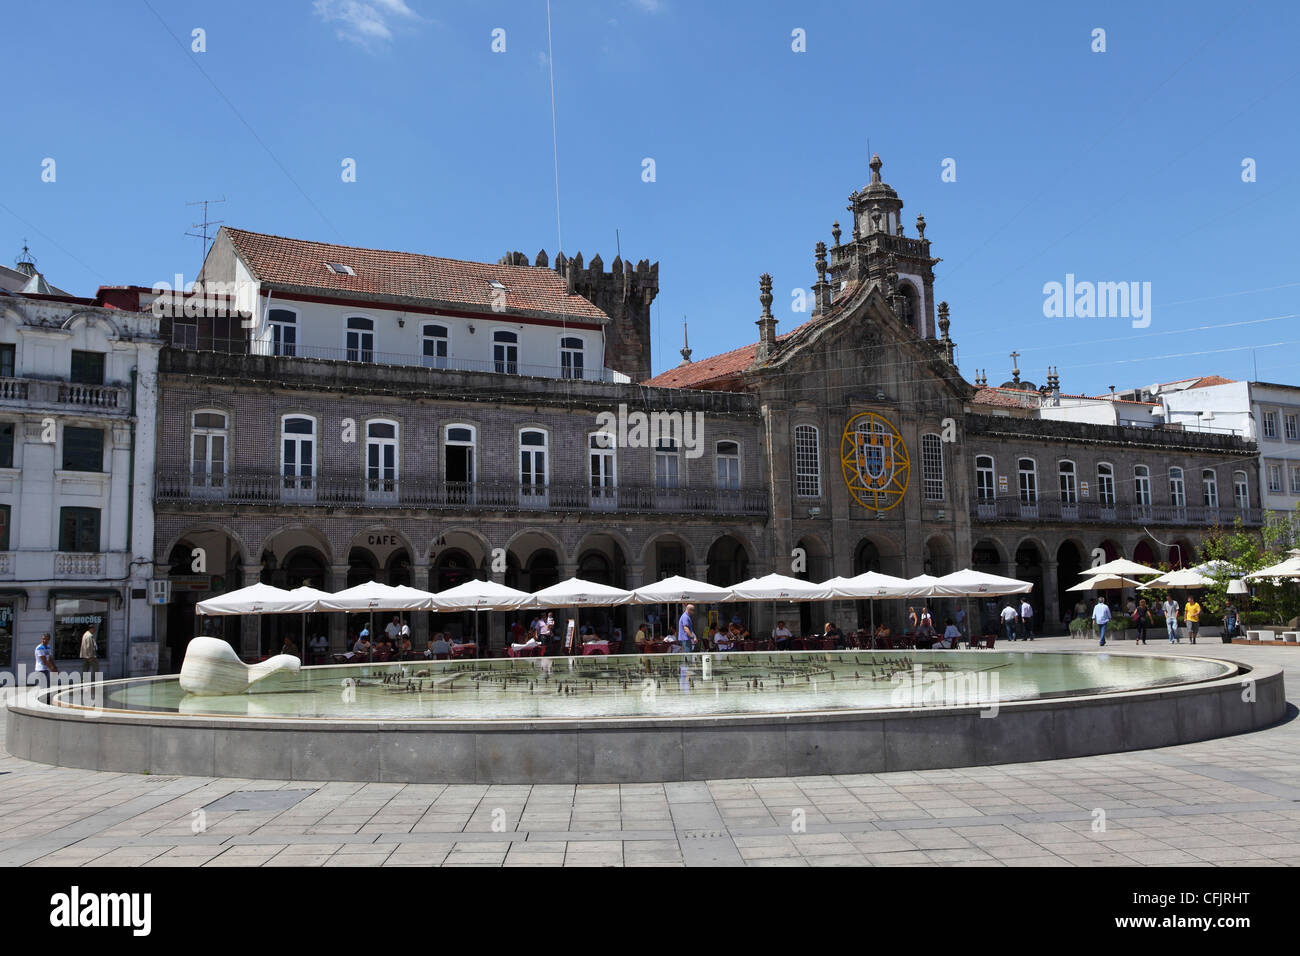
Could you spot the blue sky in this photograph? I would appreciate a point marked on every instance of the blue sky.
(1117, 166)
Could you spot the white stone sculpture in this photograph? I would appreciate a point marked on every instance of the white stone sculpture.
(213, 669)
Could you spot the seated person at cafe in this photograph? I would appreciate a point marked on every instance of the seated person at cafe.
(642, 634)
(782, 636)
(951, 635)
(441, 647)
(319, 644)
(405, 650)
(924, 635)
(289, 647)
(724, 640)
(361, 648)
(882, 630)
(833, 633)
(428, 651)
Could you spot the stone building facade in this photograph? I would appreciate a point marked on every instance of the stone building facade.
(333, 437)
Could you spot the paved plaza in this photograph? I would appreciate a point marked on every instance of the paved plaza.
(1228, 802)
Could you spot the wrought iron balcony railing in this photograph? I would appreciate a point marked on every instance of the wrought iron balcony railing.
(1092, 512)
(245, 488)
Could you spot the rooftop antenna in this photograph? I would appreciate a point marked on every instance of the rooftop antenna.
(618, 243)
(205, 223)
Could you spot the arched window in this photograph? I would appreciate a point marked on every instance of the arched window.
(1240, 490)
(533, 473)
(807, 462)
(1210, 488)
(571, 360)
(435, 342)
(1106, 484)
(932, 467)
(984, 478)
(209, 437)
(1028, 473)
(361, 339)
(298, 454)
(1142, 486)
(728, 465)
(381, 457)
(1068, 482)
(505, 352)
(911, 308)
(1177, 488)
(284, 331)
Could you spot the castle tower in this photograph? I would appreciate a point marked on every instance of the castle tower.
(624, 294)
(879, 254)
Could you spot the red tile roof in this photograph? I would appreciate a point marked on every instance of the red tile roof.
(1005, 398)
(300, 263)
(717, 369)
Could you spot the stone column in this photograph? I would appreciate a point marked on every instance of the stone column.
(250, 634)
(338, 628)
(419, 619)
(1051, 605)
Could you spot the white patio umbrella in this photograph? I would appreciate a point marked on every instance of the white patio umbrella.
(1120, 566)
(920, 586)
(1105, 582)
(968, 582)
(1182, 578)
(476, 596)
(870, 586)
(307, 594)
(1290, 568)
(373, 596)
(255, 599)
(779, 587)
(680, 590)
(578, 593)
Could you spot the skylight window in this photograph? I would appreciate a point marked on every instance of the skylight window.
(339, 269)
(495, 284)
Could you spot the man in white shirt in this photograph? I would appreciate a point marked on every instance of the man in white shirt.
(1026, 620)
(1171, 618)
(1009, 622)
(1101, 617)
(393, 630)
(781, 635)
(44, 662)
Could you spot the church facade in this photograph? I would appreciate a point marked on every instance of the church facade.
(361, 414)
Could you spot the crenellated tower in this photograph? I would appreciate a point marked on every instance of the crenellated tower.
(624, 293)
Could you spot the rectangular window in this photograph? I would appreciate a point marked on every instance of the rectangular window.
(1293, 428)
(6, 444)
(435, 346)
(83, 449)
(1270, 424)
(1069, 484)
(1106, 485)
(1142, 486)
(728, 465)
(71, 618)
(1274, 478)
(284, 332)
(4, 527)
(1210, 488)
(1028, 482)
(185, 335)
(984, 478)
(667, 464)
(1240, 490)
(1295, 481)
(87, 368)
(807, 462)
(79, 529)
(1177, 490)
(601, 467)
(6, 361)
(932, 467)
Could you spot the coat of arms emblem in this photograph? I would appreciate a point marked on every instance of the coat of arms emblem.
(875, 461)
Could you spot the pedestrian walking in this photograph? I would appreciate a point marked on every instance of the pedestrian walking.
(1026, 620)
(1101, 617)
(1171, 618)
(1192, 615)
(1009, 621)
(89, 652)
(1142, 618)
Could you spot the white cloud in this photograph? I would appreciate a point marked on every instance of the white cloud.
(364, 22)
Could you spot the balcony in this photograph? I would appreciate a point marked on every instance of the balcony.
(37, 393)
(76, 564)
(430, 494)
(1091, 512)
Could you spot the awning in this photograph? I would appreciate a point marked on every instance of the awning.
(92, 593)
